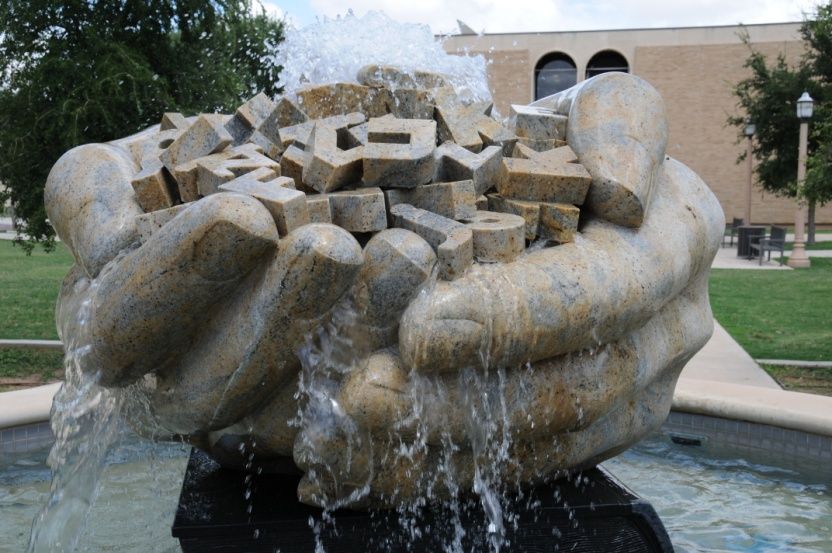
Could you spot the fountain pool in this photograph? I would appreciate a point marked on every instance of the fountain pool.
(709, 500)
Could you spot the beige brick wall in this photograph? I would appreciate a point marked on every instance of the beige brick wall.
(509, 77)
(695, 82)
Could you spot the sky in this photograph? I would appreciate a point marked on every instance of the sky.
(506, 16)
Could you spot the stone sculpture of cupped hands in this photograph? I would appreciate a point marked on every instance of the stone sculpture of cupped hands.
(379, 382)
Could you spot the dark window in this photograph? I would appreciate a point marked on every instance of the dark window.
(605, 61)
(554, 72)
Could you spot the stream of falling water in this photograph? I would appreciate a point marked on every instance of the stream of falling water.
(86, 417)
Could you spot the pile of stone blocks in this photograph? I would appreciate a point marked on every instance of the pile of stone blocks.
(392, 150)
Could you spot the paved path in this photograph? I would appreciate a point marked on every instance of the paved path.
(723, 360)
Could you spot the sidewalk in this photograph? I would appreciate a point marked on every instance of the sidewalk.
(723, 381)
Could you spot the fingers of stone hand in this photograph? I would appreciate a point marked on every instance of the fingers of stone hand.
(247, 352)
(401, 469)
(397, 263)
(564, 393)
(154, 299)
(572, 297)
(91, 204)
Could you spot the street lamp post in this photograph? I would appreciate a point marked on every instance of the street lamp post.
(804, 113)
(750, 129)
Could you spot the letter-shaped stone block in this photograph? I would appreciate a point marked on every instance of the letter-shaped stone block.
(559, 222)
(249, 117)
(542, 145)
(173, 121)
(399, 152)
(330, 167)
(492, 133)
(148, 223)
(452, 241)
(456, 163)
(300, 134)
(529, 211)
(326, 100)
(206, 136)
(461, 124)
(361, 210)
(498, 237)
(541, 180)
(395, 78)
(454, 200)
(213, 171)
(292, 163)
(287, 206)
(152, 186)
(412, 104)
(537, 123)
(318, 207)
(287, 113)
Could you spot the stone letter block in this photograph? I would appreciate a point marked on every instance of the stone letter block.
(361, 210)
(318, 207)
(456, 163)
(529, 211)
(249, 117)
(287, 113)
(215, 170)
(537, 123)
(559, 222)
(206, 136)
(557, 156)
(395, 78)
(300, 134)
(292, 163)
(497, 236)
(287, 206)
(151, 185)
(148, 223)
(326, 100)
(454, 200)
(173, 121)
(329, 167)
(535, 179)
(453, 242)
(461, 124)
(399, 152)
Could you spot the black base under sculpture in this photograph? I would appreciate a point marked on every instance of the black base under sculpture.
(588, 513)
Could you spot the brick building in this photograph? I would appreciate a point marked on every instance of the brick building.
(694, 69)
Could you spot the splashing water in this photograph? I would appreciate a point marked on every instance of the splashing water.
(333, 50)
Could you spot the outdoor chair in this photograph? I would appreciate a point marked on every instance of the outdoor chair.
(731, 231)
(774, 242)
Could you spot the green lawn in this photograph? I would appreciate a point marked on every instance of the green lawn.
(29, 285)
(28, 288)
(777, 314)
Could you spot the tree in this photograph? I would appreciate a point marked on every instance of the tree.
(83, 71)
(768, 97)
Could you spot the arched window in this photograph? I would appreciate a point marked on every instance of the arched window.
(554, 72)
(606, 60)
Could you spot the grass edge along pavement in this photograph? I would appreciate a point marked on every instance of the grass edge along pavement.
(777, 314)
